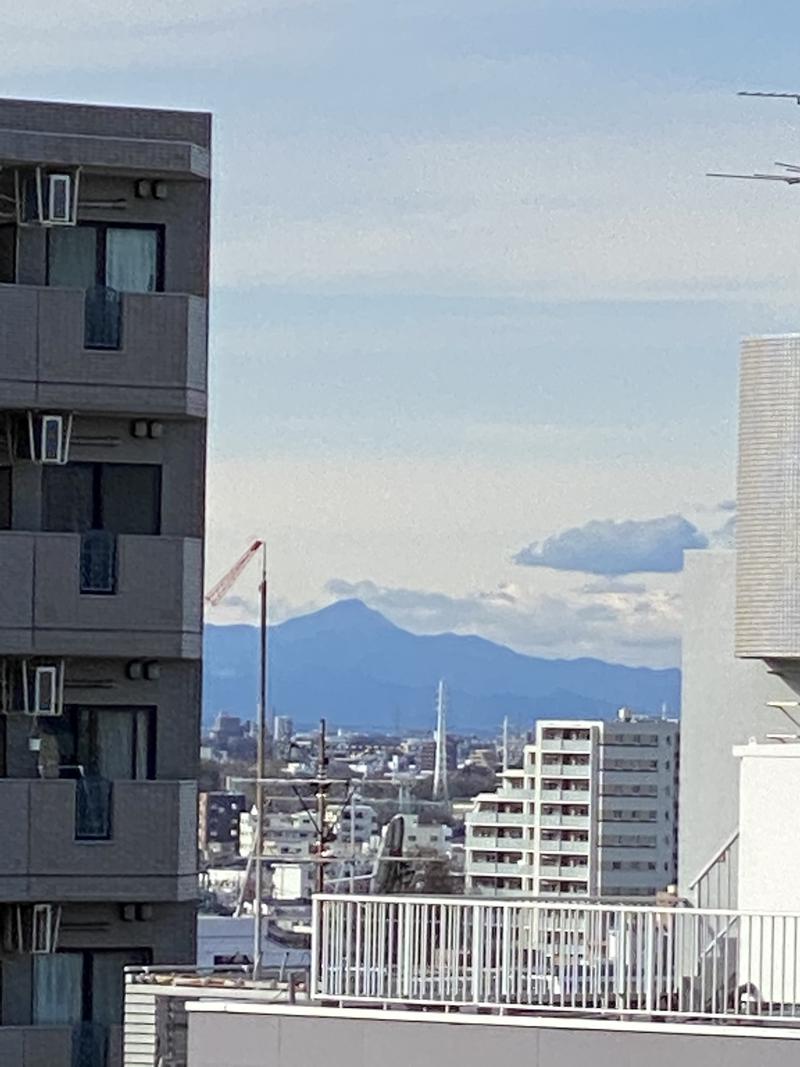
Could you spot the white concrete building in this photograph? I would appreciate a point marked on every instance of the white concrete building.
(354, 823)
(289, 834)
(592, 812)
(425, 837)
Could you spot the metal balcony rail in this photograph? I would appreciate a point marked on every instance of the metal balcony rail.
(715, 886)
(98, 562)
(90, 1045)
(93, 798)
(545, 957)
(102, 318)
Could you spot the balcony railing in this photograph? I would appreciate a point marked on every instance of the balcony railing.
(98, 562)
(103, 318)
(93, 798)
(587, 959)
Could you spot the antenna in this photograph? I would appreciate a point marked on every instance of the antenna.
(505, 744)
(793, 175)
(771, 96)
(440, 763)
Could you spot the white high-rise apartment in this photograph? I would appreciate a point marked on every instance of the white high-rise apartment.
(592, 812)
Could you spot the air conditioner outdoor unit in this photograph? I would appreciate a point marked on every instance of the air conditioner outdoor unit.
(47, 198)
(31, 688)
(31, 928)
(49, 437)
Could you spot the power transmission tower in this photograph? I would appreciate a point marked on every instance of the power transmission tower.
(440, 791)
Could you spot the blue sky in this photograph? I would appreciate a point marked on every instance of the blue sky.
(471, 288)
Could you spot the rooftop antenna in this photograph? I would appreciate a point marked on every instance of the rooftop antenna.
(792, 176)
(505, 744)
(440, 791)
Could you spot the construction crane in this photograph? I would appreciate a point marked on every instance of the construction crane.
(227, 581)
(213, 597)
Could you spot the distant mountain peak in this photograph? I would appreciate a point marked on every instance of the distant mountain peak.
(350, 614)
(350, 664)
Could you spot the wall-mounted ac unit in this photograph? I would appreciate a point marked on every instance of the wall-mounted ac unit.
(49, 437)
(31, 928)
(47, 198)
(30, 687)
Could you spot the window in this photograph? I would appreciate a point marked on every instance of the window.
(120, 498)
(74, 987)
(127, 259)
(108, 743)
(5, 498)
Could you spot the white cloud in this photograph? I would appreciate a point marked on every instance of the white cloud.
(630, 628)
(613, 548)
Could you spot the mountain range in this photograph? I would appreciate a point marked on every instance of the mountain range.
(349, 664)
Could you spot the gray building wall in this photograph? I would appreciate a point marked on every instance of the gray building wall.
(722, 704)
(134, 890)
(357, 1040)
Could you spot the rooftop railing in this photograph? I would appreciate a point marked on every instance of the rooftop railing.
(553, 957)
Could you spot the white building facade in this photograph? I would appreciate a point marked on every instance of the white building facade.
(592, 812)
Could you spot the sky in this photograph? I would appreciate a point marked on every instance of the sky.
(476, 309)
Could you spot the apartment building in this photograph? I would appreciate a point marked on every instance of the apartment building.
(103, 355)
(218, 824)
(592, 812)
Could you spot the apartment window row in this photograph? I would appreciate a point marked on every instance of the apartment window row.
(628, 865)
(628, 841)
(565, 735)
(631, 765)
(564, 889)
(565, 809)
(572, 837)
(631, 739)
(617, 790)
(620, 815)
(565, 760)
(630, 891)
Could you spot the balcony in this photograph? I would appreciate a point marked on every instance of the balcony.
(159, 367)
(513, 869)
(155, 611)
(568, 796)
(566, 770)
(563, 870)
(498, 818)
(575, 848)
(33, 1046)
(148, 855)
(563, 744)
(564, 820)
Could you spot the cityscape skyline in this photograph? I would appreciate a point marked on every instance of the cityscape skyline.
(541, 292)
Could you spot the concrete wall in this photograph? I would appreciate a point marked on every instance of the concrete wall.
(769, 846)
(160, 366)
(348, 1039)
(156, 610)
(722, 705)
(150, 856)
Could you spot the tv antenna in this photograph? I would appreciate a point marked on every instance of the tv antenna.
(792, 175)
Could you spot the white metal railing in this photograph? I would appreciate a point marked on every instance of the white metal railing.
(592, 959)
(717, 884)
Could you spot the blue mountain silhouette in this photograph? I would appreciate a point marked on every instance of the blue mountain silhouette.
(351, 665)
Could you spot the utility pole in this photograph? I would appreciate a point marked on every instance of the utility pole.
(261, 773)
(322, 788)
